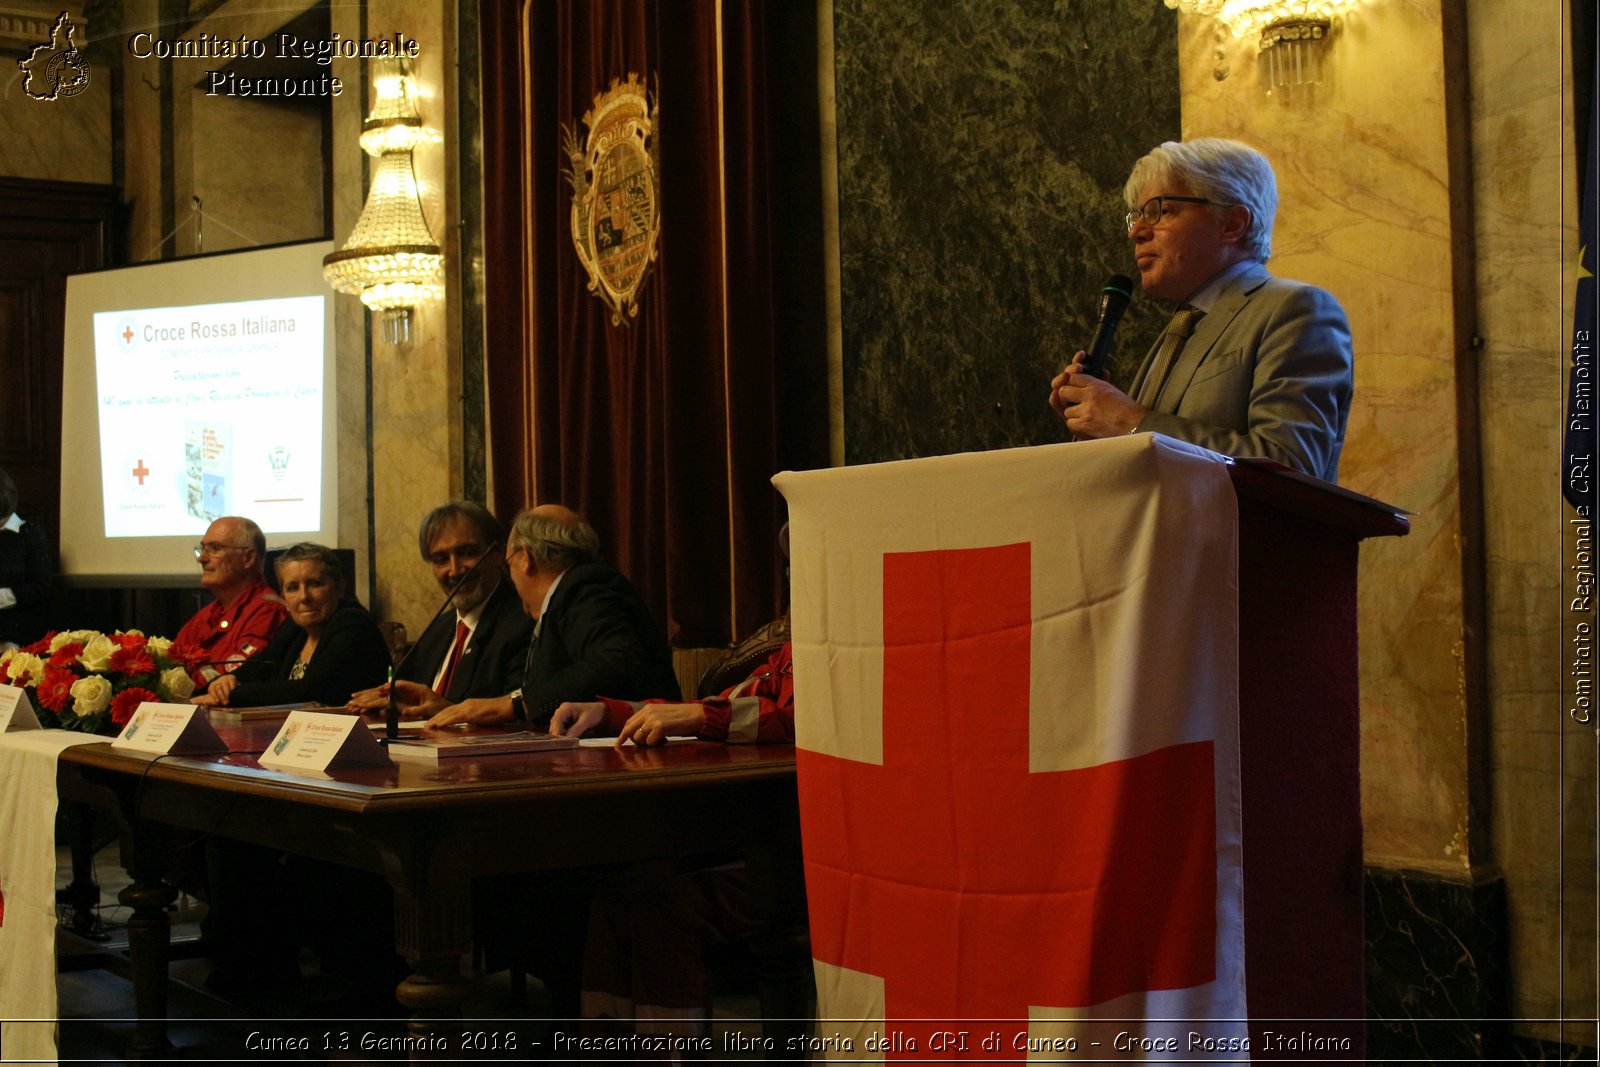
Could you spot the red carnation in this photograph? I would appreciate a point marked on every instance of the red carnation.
(66, 655)
(125, 702)
(55, 691)
(40, 646)
(130, 661)
(129, 640)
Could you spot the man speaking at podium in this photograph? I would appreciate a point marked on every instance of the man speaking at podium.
(1250, 365)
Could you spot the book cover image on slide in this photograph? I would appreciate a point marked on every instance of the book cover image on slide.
(207, 455)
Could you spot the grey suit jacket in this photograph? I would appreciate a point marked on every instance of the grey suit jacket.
(1267, 373)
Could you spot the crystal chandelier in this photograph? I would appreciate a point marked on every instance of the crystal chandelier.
(1291, 32)
(391, 260)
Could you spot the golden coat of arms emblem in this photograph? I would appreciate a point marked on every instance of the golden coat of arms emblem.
(616, 198)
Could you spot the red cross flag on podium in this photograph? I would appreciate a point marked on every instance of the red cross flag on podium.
(1016, 692)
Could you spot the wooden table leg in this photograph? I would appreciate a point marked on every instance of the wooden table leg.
(432, 908)
(149, 939)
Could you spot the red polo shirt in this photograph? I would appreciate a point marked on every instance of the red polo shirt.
(219, 638)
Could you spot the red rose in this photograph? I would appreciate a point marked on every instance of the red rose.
(66, 655)
(126, 702)
(129, 640)
(55, 690)
(131, 661)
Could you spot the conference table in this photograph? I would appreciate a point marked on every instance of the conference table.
(430, 829)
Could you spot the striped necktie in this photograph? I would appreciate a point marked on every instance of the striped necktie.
(1179, 327)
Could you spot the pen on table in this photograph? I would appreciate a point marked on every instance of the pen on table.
(391, 713)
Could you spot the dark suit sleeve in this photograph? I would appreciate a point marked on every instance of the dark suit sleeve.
(1299, 388)
(422, 663)
(603, 651)
(499, 653)
(351, 655)
(511, 655)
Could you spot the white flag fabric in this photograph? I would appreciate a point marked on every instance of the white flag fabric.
(1016, 693)
(28, 891)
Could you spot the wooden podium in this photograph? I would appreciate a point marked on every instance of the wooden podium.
(1164, 602)
(1300, 750)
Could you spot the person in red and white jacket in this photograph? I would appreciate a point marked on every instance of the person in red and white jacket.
(759, 710)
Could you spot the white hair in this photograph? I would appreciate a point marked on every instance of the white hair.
(1228, 172)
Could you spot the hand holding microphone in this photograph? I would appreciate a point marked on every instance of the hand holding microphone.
(1090, 406)
(1114, 297)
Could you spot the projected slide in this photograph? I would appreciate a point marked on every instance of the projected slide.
(211, 410)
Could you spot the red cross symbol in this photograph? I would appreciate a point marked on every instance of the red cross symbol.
(141, 472)
(973, 887)
(127, 335)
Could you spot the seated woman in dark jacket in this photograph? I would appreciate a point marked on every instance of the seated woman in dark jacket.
(327, 650)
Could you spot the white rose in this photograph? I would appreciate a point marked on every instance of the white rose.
(91, 694)
(176, 684)
(139, 633)
(67, 637)
(158, 646)
(97, 653)
(25, 668)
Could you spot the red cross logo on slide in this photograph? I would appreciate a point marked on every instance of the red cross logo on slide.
(141, 472)
(973, 887)
(127, 335)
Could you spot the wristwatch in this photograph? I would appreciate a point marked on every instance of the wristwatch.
(519, 709)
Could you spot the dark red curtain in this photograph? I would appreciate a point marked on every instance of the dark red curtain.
(664, 432)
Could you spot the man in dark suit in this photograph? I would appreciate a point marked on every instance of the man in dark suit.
(592, 635)
(478, 649)
(1251, 365)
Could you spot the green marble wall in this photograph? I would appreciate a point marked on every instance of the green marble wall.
(982, 150)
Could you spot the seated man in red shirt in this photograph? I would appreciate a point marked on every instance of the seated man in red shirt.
(246, 612)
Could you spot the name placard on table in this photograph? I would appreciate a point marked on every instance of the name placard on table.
(16, 710)
(315, 740)
(168, 729)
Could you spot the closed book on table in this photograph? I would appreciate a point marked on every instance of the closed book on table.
(431, 748)
(262, 714)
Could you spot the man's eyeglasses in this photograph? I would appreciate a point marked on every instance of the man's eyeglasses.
(213, 548)
(1152, 210)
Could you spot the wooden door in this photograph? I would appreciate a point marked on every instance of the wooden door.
(48, 230)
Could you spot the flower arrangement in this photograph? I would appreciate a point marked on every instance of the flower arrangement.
(92, 682)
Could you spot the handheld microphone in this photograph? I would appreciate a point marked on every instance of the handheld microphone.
(391, 712)
(1114, 297)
